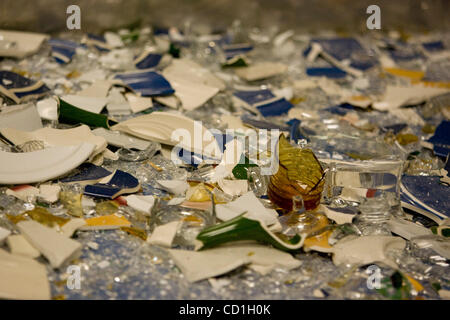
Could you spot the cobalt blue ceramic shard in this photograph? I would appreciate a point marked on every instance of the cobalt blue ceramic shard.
(339, 110)
(146, 61)
(254, 97)
(294, 132)
(329, 72)
(275, 108)
(63, 50)
(99, 42)
(346, 49)
(426, 196)
(18, 88)
(120, 183)
(434, 46)
(262, 124)
(147, 83)
(87, 173)
(441, 139)
(403, 52)
(236, 49)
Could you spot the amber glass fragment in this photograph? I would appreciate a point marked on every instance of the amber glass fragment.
(299, 173)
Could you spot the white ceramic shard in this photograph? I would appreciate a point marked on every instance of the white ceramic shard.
(163, 235)
(366, 250)
(21, 44)
(250, 204)
(91, 104)
(396, 97)
(21, 117)
(48, 109)
(22, 278)
(199, 265)
(42, 165)
(169, 101)
(23, 192)
(120, 139)
(176, 187)
(336, 216)
(407, 229)
(99, 89)
(20, 246)
(69, 228)
(49, 193)
(58, 137)
(138, 103)
(261, 70)
(141, 203)
(113, 39)
(4, 233)
(233, 187)
(172, 129)
(57, 248)
(230, 158)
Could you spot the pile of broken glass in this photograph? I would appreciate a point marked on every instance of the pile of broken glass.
(162, 163)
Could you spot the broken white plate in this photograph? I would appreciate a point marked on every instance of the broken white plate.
(23, 192)
(176, 187)
(138, 103)
(261, 70)
(48, 109)
(396, 97)
(172, 129)
(91, 104)
(366, 250)
(233, 187)
(4, 233)
(49, 193)
(141, 203)
(407, 229)
(58, 137)
(57, 248)
(20, 246)
(120, 139)
(99, 89)
(21, 117)
(336, 216)
(248, 202)
(163, 235)
(22, 278)
(19, 44)
(199, 265)
(69, 228)
(42, 165)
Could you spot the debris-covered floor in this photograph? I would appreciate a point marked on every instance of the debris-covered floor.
(95, 203)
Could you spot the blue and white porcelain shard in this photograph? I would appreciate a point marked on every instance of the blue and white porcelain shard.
(63, 50)
(426, 196)
(147, 83)
(147, 60)
(262, 124)
(87, 173)
(345, 49)
(99, 42)
(233, 50)
(18, 88)
(263, 102)
(433, 46)
(329, 72)
(441, 139)
(42, 165)
(120, 183)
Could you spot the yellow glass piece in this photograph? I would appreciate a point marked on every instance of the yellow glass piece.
(199, 193)
(297, 100)
(16, 219)
(73, 74)
(140, 233)
(44, 217)
(111, 220)
(193, 220)
(434, 84)
(72, 202)
(155, 166)
(106, 207)
(299, 173)
(428, 128)
(406, 138)
(411, 74)
(417, 286)
(320, 240)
